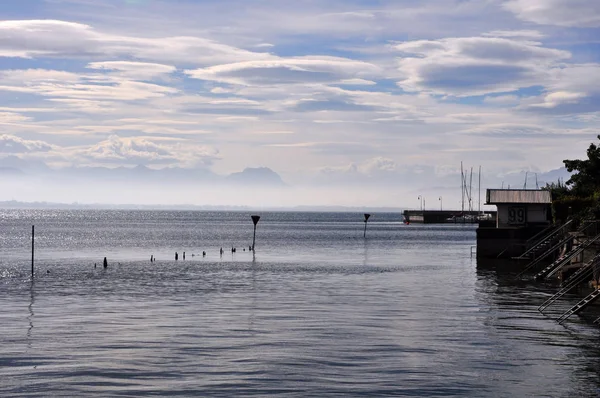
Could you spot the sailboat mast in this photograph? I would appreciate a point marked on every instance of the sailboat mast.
(471, 191)
(479, 189)
(462, 188)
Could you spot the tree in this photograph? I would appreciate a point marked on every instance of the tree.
(586, 180)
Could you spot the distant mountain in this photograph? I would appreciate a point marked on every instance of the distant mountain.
(14, 162)
(141, 174)
(257, 175)
(517, 180)
(15, 166)
(10, 171)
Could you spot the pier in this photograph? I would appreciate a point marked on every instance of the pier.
(447, 216)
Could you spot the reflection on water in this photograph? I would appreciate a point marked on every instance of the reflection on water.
(31, 313)
(319, 311)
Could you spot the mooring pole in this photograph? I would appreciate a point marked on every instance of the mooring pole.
(366, 219)
(32, 248)
(255, 221)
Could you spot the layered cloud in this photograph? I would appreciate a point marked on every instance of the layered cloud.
(294, 70)
(571, 13)
(317, 91)
(62, 39)
(60, 84)
(136, 70)
(475, 65)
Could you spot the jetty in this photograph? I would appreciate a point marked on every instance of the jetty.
(446, 216)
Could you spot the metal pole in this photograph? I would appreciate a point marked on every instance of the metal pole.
(255, 221)
(366, 219)
(32, 248)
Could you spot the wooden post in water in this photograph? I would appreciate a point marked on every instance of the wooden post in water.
(255, 221)
(32, 248)
(366, 219)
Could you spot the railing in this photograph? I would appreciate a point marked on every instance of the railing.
(555, 247)
(545, 237)
(573, 281)
(546, 254)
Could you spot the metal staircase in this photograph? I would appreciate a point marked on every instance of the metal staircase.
(548, 252)
(556, 247)
(560, 262)
(592, 263)
(544, 240)
(590, 298)
(578, 277)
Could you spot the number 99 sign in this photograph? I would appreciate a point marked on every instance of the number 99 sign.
(516, 215)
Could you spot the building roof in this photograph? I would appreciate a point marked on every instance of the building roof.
(525, 196)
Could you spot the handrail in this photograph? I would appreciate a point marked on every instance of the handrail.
(545, 230)
(592, 263)
(580, 248)
(574, 280)
(557, 231)
(537, 260)
(584, 302)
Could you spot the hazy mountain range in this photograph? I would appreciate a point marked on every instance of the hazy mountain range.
(25, 181)
(15, 166)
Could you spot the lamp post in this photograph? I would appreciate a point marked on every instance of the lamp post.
(255, 221)
(420, 202)
(441, 204)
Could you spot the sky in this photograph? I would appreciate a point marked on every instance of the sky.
(351, 102)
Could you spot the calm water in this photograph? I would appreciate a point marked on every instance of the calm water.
(318, 311)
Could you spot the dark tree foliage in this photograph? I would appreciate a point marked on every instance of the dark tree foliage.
(558, 189)
(586, 180)
(579, 197)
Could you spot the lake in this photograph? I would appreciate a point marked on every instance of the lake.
(316, 310)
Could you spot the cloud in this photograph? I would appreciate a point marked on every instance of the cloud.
(557, 98)
(10, 144)
(474, 65)
(521, 34)
(12, 117)
(62, 39)
(576, 78)
(357, 82)
(377, 165)
(571, 13)
(569, 89)
(294, 70)
(136, 70)
(51, 83)
(501, 100)
(146, 151)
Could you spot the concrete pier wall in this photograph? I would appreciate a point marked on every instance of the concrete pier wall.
(504, 242)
